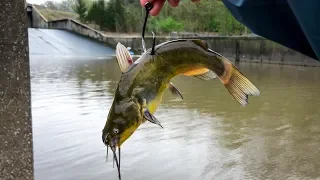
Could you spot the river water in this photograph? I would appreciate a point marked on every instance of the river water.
(206, 136)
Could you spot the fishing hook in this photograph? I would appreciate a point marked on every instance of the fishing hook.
(154, 43)
(148, 6)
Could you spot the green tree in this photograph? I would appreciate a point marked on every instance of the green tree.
(101, 15)
(81, 9)
(168, 25)
(128, 16)
(134, 18)
(93, 13)
(120, 18)
(101, 12)
(110, 16)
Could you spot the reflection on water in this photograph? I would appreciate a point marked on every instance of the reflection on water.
(205, 136)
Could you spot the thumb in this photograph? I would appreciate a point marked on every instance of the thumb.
(157, 6)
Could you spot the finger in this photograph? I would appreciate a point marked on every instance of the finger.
(157, 6)
(174, 3)
(143, 2)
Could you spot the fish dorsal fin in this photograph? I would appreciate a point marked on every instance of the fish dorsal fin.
(123, 56)
(201, 43)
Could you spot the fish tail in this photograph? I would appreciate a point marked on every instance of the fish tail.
(238, 85)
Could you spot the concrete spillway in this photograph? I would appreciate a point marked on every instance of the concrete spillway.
(63, 43)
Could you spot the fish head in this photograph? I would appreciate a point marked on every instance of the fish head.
(124, 118)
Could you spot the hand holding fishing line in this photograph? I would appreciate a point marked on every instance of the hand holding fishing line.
(158, 4)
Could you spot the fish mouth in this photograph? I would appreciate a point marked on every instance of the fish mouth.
(113, 143)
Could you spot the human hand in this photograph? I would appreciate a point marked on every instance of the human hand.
(158, 4)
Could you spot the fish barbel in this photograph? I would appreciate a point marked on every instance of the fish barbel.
(142, 83)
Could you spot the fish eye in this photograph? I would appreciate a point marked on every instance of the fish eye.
(115, 131)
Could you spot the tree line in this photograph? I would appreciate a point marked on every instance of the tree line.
(127, 16)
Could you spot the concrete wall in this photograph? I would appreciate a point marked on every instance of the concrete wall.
(253, 49)
(16, 154)
(38, 20)
(248, 49)
(81, 29)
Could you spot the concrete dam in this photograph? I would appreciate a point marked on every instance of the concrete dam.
(61, 43)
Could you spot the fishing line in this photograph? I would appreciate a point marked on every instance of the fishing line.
(148, 6)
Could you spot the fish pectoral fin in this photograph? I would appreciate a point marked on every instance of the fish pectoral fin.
(175, 91)
(148, 116)
(123, 56)
(201, 73)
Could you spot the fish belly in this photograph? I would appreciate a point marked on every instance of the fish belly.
(154, 103)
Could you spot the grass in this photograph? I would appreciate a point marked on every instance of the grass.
(51, 15)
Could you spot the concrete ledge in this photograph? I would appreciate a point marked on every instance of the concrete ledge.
(39, 21)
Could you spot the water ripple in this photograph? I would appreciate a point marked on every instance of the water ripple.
(206, 136)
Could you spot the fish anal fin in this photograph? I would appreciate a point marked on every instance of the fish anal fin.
(175, 91)
(196, 71)
(207, 76)
(123, 56)
(201, 73)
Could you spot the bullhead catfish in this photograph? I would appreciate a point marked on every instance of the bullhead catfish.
(142, 83)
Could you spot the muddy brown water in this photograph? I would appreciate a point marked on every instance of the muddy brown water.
(206, 136)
